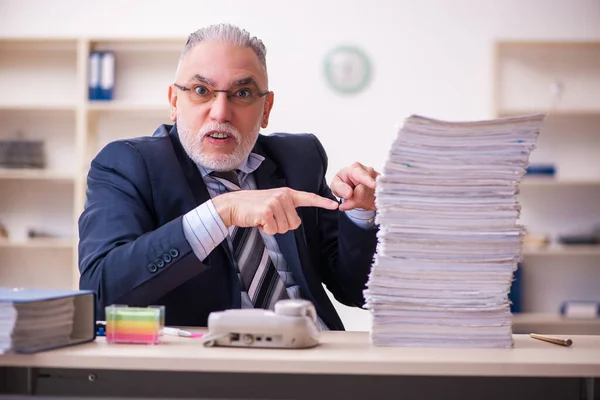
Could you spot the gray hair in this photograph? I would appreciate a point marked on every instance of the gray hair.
(227, 33)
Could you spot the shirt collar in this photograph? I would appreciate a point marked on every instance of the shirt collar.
(249, 165)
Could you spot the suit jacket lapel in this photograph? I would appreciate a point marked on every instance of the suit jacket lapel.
(268, 176)
(220, 255)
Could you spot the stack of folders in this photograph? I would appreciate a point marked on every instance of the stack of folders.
(33, 320)
(449, 240)
(101, 75)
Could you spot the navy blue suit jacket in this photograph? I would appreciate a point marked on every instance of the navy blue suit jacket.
(132, 248)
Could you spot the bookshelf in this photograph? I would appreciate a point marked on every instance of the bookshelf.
(561, 79)
(45, 97)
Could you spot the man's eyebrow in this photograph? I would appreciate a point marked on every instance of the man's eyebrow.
(244, 81)
(200, 78)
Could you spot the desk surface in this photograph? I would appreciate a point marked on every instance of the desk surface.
(338, 353)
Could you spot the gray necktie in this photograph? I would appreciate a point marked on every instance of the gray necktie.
(258, 274)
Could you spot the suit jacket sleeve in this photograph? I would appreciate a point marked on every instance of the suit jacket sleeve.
(120, 245)
(347, 250)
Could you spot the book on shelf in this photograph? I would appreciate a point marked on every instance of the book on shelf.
(33, 320)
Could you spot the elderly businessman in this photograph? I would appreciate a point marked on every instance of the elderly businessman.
(207, 214)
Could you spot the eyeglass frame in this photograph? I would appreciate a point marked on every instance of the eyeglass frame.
(227, 92)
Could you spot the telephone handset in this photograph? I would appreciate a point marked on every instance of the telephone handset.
(293, 324)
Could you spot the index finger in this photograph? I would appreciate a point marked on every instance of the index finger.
(361, 176)
(306, 199)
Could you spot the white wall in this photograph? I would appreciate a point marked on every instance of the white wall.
(432, 57)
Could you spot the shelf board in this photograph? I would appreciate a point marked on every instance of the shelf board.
(549, 43)
(562, 250)
(37, 44)
(551, 181)
(550, 323)
(122, 106)
(551, 113)
(40, 243)
(552, 319)
(155, 45)
(37, 107)
(35, 174)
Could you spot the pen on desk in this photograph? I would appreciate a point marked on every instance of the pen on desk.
(551, 339)
(176, 332)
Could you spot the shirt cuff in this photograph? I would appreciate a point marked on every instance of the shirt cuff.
(362, 218)
(204, 229)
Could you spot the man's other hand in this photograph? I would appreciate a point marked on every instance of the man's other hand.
(356, 185)
(273, 210)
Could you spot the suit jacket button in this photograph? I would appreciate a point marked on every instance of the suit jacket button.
(152, 267)
(167, 258)
(159, 262)
(174, 253)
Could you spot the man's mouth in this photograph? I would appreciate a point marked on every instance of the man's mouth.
(219, 135)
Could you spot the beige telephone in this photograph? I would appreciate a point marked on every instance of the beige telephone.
(293, 324)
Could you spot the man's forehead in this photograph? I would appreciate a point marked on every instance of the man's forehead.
(222, 63)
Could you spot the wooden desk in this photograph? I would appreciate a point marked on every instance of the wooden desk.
(345, 364)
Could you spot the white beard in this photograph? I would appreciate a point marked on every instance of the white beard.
(192, 144)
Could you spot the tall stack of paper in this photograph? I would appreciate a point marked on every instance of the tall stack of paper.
(449, 240)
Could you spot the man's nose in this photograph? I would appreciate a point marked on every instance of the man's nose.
(220, 109)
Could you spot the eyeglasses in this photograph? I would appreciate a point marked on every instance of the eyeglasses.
(202, 94)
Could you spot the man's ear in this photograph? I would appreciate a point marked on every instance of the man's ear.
(267, 109)
(172, 103)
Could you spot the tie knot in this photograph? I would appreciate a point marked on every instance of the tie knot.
(229, 176)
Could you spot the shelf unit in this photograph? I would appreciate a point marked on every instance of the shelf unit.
(45, 96)
(562, 80)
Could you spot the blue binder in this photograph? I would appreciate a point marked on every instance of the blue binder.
(107, 75)
(94, 75)
(514, 296)
(21, 309)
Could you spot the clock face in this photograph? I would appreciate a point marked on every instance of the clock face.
(347, 69)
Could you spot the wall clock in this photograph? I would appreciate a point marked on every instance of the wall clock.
(347, 69)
